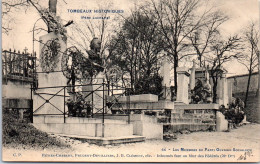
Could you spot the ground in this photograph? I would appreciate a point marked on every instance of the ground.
(239, 145)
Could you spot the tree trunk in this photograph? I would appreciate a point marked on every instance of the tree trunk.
(249, 74)
(131, 69)
(248, 85)
(175, 73)
(214, 88)
(200, 60)
(215, 92)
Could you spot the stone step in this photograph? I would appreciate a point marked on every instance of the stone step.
(101, 141)
(176, 115)
(185, 120)
(176, 127)
(180, 111)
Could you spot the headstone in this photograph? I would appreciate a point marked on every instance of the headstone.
(183, 83)
(166, 82)
(192, 76)
(225, 96)
(50, 100)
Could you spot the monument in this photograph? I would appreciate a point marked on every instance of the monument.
(201, 91)
(93, 89)
(183, 83)
(48, 98)
(166, 82)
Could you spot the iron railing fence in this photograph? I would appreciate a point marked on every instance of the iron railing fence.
(19, 66)
(108, 92)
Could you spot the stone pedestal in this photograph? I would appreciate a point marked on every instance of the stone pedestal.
(221, 122)
(225, 90)
(222, 91)
(49, 97)
(166, 82)
(183, 82)
(192, 76)
(95, 98)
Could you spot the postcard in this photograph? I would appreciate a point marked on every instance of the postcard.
(130, 81)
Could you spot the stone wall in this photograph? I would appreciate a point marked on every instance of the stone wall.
(16, 90)
(252, 109)
(16, 95)
(238, 83)
(201, 115)
(143, 125)
(238, 86)
(193, 117)
(87, 129)
(16, 103)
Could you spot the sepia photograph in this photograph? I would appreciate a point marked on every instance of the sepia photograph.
(130, 81)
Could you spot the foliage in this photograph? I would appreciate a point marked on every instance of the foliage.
(19, 134)
(205, 35)
(78, 107)
(234, 116)
(53, 22)
(151, 84)
(251, 55)
(136, 47)
(8, 6)
(50, 55)
(250, 36)
(222, 51)
(177, 19)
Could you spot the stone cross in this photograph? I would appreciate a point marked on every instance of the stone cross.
(53, 6)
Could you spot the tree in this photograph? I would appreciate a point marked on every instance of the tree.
(8, 6)
(81, 33)
(136, 47)
(223, 51)
(251, 54)
(177, 20)
(204, 36)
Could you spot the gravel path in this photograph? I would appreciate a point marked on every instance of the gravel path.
(239, 145)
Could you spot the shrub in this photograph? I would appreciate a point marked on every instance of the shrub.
(19, 134)
(152, 85)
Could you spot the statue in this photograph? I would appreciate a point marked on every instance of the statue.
(95, 57)
(206, 92)
(201, 92)
(53, 21)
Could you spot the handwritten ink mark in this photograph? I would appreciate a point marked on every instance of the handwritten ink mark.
(245, 155)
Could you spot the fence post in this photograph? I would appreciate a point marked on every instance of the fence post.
(103, 113)
(108, 87)
(92, 101)
(64, 111)
(128, 106)
(112, 88)
(6, 65)
(31, 105)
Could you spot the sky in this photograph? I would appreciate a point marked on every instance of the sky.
(21, 36)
